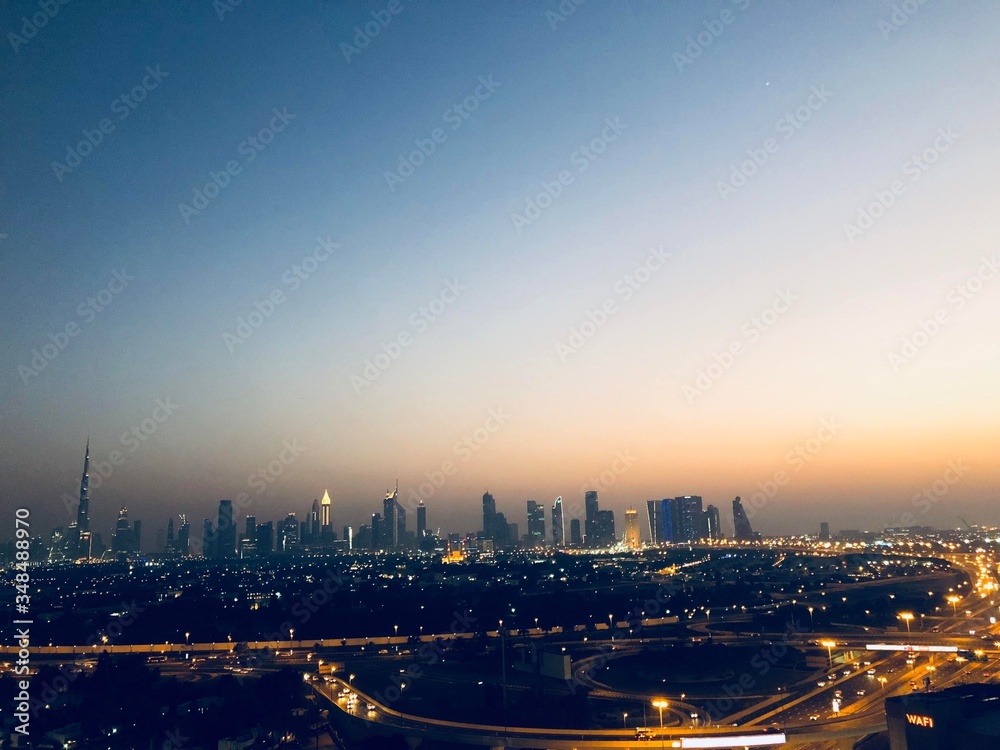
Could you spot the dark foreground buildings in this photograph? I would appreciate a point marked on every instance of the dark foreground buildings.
(964, 716)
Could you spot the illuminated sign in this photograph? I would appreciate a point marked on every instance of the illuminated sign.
(920, 721)
(911, 647)
(746, 740)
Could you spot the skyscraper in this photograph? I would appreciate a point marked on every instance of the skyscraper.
(824, 531)
(591, 508)
(170, 534)
(575, 537)
(326, 522)
(489, 516)
(184, 537)
(655, 512)
(225, 533)
(741, 524)
(558, 530)
(314, 523)
(207, 539)
(687, 512)
(83, 509)
(632, 529)
(288, 534)
(121, 542)
(536, 524)
(265, 538)
(712, 523)
(421, 520)
(604, 529)
(251, 532)
(393, 521)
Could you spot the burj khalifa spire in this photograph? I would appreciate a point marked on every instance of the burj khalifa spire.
(83, 509)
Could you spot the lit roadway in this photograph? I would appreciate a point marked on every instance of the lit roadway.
(804, 712)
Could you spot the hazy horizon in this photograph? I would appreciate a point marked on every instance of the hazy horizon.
(701, 237)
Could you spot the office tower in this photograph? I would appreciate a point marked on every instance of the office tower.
(288, 533)
(489, 516)
(632, 529)
(558, 530)
(161, 541)
(184, 536)
(741, 524)
(225, 532)
(604, 529)
(326, 522)
(687, 513)
(712, 523)
(363, 539)
(575, 537)
(349, 537)
(137, 537)
(512, 534)
(208, 539)
(170, 534)
(421, 520)
(501, 530)
(393, 521)
(378, 541)
(251, 532)
(536, 524)
(77, 531)
(591, 508)
(265, 538)
(122, 540)
(654, 514)
(314, 522)
(824, 531)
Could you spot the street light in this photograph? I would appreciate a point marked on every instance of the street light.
(611, 627)
(906, 617)
(660, 704)
(829, 650)
(883, 680)
(954, 600)
(811, 616)
(624, 717)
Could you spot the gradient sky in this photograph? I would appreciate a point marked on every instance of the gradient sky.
(892, 87)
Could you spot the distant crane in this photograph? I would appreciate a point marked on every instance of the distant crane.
(966, 523)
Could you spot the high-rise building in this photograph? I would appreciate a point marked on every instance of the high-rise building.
(604, 529)
(712, 527)
(687, 512)
(314, 522)
(632, 529)
(536, 524)
(184, 537)
(265, 538)
(421, 520)
(656, 514)
(393, 521)
(121, 542)
(251, 532)
(170, 534)
(225, 533)
(288, 534)
(575, 536)
(591, 509)
(824, 531)
(558, 530)
(207, 539)
(741, 524)
(377, 537)
(78, 539)
(326, 509)
(489, 516)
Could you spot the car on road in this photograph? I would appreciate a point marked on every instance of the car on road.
(871, 672)
(813, 717)
(860, 693)
(821, 683)
(370, 707)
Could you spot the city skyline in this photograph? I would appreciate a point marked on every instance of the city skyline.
(645, 241)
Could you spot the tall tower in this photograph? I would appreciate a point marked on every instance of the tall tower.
(591, 507)
(712, 523)
(536, 523)
(184, 536)
(225, 531)
(741, 524)
(81, 538)
(314, 521)
(489, 517)
(325, 507)
(558, 529)
(632, 529)
(421, 520)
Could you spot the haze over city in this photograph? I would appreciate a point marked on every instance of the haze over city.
(589, 243)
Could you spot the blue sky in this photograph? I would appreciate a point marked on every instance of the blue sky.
(686, 126)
